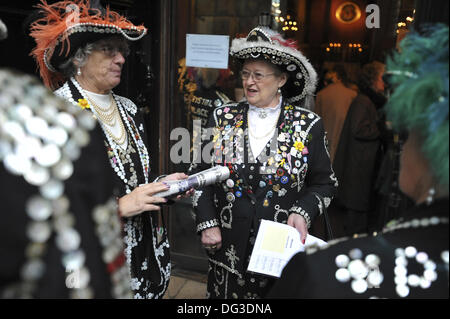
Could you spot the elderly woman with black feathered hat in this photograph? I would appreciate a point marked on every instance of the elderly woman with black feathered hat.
(81, 51)
(277, 155)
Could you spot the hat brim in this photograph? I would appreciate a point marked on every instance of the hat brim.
(302, 76)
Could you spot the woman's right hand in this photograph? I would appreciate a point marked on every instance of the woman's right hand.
(212, 239)
(141, 199)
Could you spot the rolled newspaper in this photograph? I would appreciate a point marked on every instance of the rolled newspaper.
(204, 178)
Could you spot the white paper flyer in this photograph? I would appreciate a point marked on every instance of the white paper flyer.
(275, 245)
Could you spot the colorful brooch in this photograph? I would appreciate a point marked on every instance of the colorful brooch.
(83, 104)
(299, 146)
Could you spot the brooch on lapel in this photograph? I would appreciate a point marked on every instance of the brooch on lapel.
(83, 104)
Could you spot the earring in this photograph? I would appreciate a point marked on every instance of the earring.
(79, 71)
(279, 90)
(430, 196)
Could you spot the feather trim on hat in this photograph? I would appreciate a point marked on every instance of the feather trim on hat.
(420, 98)
(59, 21)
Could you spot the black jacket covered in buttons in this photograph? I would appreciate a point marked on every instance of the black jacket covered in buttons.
(294, 172)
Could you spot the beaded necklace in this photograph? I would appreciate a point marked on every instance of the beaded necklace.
(109, 117)
(116, 162)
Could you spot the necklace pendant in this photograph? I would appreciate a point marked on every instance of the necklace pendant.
(262, 114)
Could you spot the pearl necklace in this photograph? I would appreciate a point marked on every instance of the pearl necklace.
(142, 150)
(108, 115)
(121, 139)
(110, 119)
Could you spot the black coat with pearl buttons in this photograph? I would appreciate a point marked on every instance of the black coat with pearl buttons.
(290, 178)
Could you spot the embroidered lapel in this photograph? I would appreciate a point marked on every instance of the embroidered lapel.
(131, 128)
(241, 166)
(75, 93)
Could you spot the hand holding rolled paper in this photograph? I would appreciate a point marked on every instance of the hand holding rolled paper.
(177, 177)
(196, 181)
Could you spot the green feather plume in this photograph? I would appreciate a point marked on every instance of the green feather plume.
(419, 102)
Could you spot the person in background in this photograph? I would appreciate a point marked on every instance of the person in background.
(371, 83)
(331, 105)
(276, 153)
(329, 78)
(389, 202)
(358, 154)
(410, 257)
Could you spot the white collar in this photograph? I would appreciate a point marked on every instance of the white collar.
(104, 100)
(267, 109)
(263, 112)
(96, 94)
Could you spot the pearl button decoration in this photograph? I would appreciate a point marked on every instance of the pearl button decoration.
(364, 273)
(39, 140)
(403, 280)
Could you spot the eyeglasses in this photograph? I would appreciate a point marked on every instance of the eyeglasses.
(257, 76)
(112, 50)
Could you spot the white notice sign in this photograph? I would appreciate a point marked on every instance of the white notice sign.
(275, 245)
(207, 51)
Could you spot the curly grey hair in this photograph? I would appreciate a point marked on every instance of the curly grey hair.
(79, 59)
